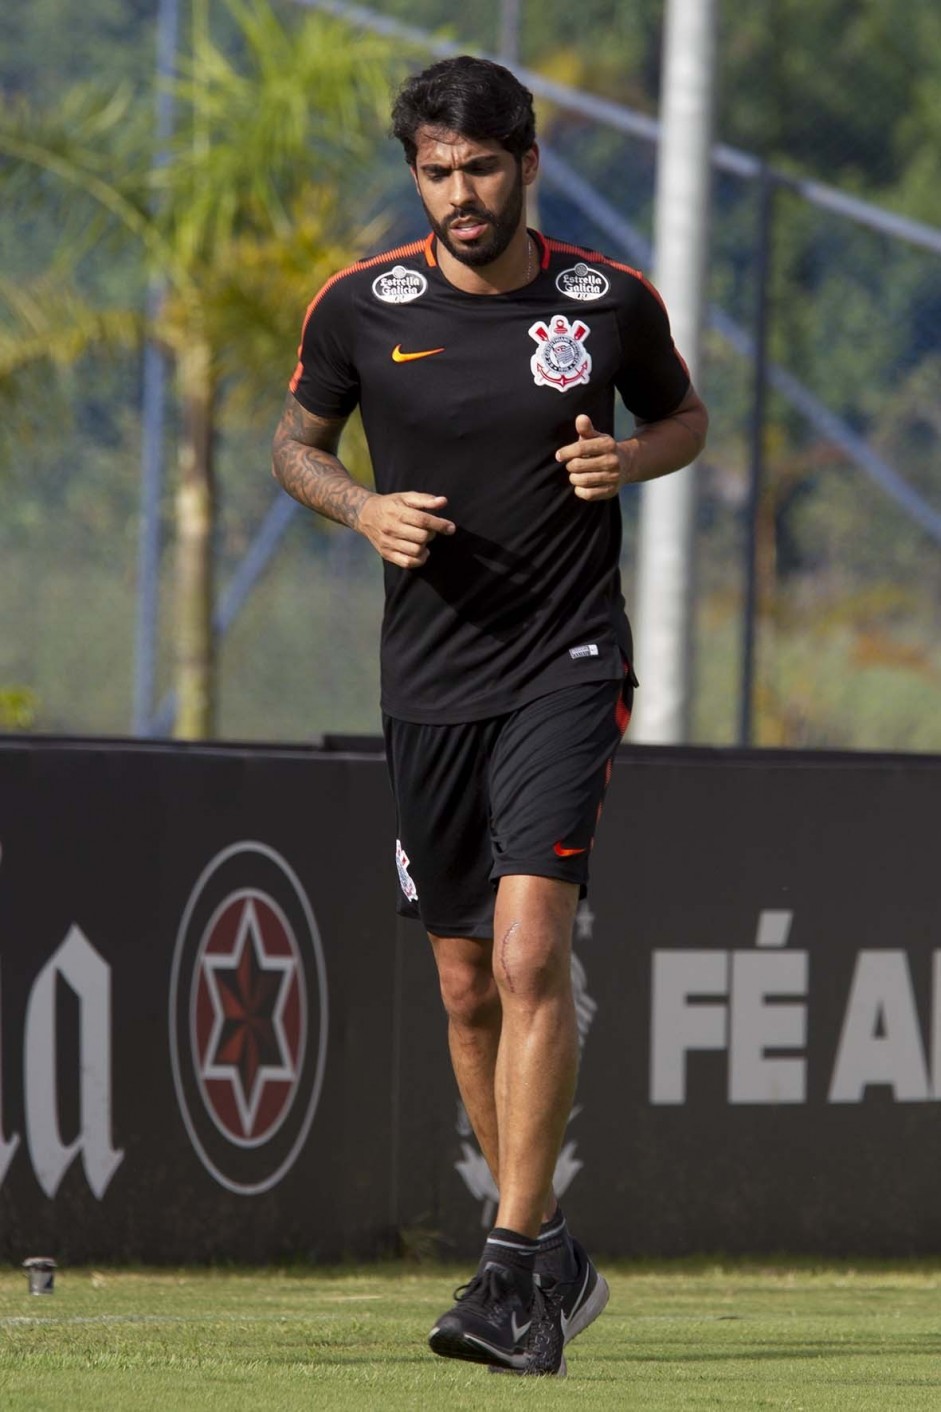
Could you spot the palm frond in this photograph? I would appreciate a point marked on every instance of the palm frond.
(242, 227)
(304, 101)
(48, 320)
(96, 146)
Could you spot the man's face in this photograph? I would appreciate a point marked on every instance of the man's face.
(472, 192)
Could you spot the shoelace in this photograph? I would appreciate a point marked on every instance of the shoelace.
(487, 1292)
(553, 1291)
(544, 1346)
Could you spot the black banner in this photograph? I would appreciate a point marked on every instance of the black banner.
(217, 1040)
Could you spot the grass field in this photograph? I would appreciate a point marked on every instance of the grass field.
(684, 1336)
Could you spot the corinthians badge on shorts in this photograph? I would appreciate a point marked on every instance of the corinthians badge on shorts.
(248, 1017)
(561, 359)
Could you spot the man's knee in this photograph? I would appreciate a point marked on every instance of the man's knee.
(468, 990)
(532, 945)
(531, 967)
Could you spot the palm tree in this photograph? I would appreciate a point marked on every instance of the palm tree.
(246, 205)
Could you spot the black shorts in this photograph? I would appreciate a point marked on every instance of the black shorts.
(515, 794)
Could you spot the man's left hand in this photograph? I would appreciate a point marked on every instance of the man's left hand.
(597, 465)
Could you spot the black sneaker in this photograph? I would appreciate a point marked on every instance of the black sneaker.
(490, 1321)
(562, 1309)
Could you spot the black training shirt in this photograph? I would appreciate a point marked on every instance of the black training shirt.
(470, 396)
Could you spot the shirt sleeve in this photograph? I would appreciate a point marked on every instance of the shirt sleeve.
(653, 379)
(326, 381)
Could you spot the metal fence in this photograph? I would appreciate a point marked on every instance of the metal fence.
(819, 576)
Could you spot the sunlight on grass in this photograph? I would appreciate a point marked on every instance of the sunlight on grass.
(691, 1335)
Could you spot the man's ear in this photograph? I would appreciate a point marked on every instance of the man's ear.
(414, 172)
(530, 165)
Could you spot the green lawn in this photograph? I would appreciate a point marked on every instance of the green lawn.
(684, 1336)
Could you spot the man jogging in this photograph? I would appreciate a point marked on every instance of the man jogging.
(485, 361)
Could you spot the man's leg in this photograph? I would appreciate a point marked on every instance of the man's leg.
(549, 772)
(514, 1045)
(537, 1060)
(475, 1012)
(516, 1064)
(472, 1003)
(548, 767)
(536, 1072)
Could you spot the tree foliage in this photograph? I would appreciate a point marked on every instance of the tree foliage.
(250, 182)
(279, 113)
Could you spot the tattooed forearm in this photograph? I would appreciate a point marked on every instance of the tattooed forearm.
(319, 481)
(305, 463)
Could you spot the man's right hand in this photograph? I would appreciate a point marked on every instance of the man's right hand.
(400, 527)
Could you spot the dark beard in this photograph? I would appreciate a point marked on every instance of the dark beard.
(503, 227)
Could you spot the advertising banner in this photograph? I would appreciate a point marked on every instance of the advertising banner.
(217, 1041)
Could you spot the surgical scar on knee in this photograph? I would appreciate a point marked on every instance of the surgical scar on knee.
(504, 948)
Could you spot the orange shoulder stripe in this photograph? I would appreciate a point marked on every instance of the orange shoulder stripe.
(597, 256)
(564, 248)
(415, 247)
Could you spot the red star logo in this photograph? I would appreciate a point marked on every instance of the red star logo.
(251, 988)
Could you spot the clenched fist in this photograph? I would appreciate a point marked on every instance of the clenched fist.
(597, 465)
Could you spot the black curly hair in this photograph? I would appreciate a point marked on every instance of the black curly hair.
(474, 97)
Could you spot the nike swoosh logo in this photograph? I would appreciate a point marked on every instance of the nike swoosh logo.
(399, 357)
(575, 1308)
(561, 851)
(500, 1355)
(519, 1329)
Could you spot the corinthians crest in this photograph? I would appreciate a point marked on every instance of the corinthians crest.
(473, 1165)
(561, 359)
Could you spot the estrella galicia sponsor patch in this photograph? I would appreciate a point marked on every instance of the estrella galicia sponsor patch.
(561, 359)
(400, 285)
(581, 282)
(248, 1017)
